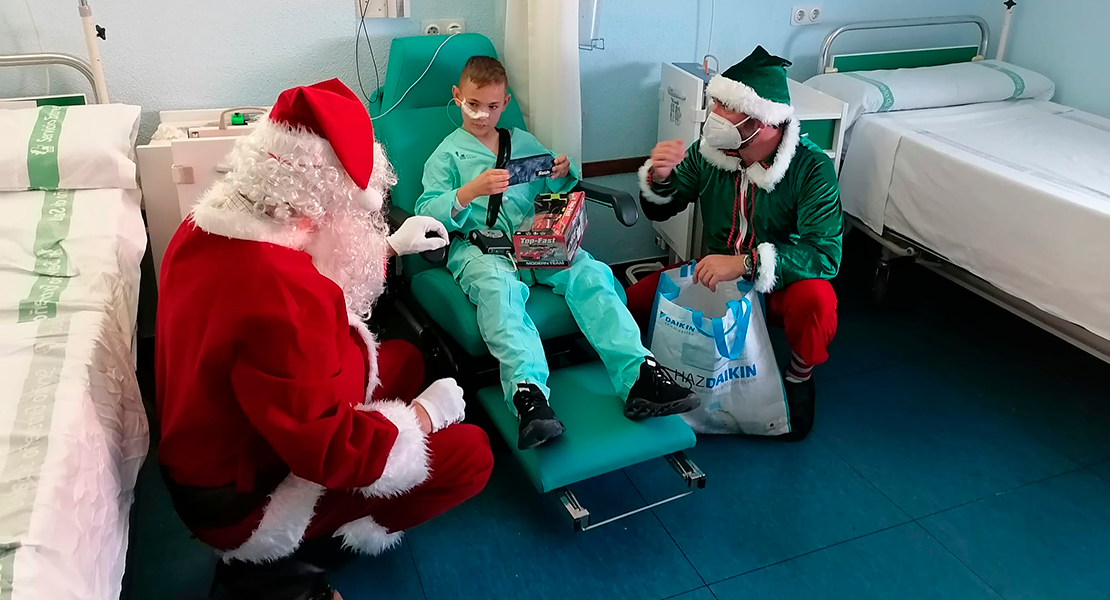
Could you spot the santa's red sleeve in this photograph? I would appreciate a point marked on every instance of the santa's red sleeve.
(294, 380)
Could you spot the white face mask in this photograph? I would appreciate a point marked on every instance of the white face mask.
(719, 133)
(473, 114)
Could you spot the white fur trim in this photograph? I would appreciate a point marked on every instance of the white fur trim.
(408, 464)
(718, 158)
(369, 199)
(365, 536)
(289, 143)
(216, 215)
(767, 179)
(373, 378)
(739, 97)
(765, 271)
(645, 189)
(283, 524)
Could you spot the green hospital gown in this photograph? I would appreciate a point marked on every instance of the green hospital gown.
(500, 292)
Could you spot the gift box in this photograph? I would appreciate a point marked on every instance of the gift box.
(550, 239)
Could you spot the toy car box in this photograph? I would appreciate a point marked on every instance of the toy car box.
(550, 239)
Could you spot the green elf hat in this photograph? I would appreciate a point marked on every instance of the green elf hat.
(755, 86)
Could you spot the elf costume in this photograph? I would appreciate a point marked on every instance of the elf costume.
(288, 438)
(784, 212)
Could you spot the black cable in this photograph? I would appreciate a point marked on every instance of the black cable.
(362, 30)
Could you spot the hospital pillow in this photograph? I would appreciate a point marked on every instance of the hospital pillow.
(68, 147)
(932, 87)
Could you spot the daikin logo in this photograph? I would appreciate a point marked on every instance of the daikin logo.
(741, 372)
(676, 324)
(718, 379)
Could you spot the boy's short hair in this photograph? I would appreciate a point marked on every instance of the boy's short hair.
(483, 71)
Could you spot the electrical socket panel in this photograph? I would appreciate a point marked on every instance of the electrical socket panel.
(383, 9)
(808, 14)
(443, 26)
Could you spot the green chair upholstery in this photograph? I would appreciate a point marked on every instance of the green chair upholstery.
(410, 133)
(598, 440)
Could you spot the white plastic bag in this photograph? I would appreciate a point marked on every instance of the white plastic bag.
(717, 344)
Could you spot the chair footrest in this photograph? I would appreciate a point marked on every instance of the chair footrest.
(598, 438)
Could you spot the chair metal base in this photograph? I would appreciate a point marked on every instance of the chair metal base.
(580, 515)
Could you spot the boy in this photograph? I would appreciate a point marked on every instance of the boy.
(458, 179)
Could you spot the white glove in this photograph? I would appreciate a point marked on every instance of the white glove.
(412, 236)
(443, 401)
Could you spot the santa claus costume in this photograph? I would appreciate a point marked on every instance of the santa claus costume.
(290, 437)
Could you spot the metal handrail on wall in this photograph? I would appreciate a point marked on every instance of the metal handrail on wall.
(826, 47)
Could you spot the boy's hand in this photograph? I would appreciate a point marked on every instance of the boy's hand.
(491, 181)
(664, 157)
(561, 167)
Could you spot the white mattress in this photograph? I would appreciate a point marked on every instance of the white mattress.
(1017, 193)
(73, 432)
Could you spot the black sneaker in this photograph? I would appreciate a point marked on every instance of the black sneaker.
(801, 398)
(538, 422)
(655, 394)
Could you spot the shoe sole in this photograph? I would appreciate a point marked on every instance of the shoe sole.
(540, 431)
(639, 409)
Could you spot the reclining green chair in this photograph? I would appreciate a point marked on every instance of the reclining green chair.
(415, 101)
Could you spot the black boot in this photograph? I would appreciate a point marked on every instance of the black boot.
(801, 398)
(655, 394)
(538, 422)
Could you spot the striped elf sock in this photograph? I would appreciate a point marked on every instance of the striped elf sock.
(798, 371)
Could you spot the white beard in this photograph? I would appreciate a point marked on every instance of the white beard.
(349, 248)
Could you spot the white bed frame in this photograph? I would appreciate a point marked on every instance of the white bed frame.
(896, 247)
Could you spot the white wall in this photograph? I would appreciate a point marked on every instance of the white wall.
(167, 54)
(1065, 40)
(620, 84)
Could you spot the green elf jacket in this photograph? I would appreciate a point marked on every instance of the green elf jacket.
(786, 213)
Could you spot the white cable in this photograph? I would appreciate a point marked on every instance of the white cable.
(38, 38)
(448, 107)
(426, 69)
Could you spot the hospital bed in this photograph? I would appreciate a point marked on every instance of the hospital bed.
(73, 432)
(1009, 197)
(411, 118)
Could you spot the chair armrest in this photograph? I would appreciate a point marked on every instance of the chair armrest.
(396, 216)
(624, 207)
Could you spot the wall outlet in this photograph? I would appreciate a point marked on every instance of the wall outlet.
(809, 14)
(443, 26)
(383, 9)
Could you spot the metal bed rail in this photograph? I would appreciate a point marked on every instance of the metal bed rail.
(65, 60)
(896, 247)
(826, 47)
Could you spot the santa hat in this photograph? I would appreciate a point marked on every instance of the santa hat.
(305, 121)
(755, 86)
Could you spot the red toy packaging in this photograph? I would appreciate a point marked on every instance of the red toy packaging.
(552, 237)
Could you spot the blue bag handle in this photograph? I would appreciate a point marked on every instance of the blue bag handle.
(741, 312)
(742, 316)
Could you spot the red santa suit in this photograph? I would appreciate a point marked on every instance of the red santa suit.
(269, 392)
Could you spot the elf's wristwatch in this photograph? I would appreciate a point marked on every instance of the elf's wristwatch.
(749, 266)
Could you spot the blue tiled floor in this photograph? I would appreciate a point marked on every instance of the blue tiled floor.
(903, 562)
(958, 453)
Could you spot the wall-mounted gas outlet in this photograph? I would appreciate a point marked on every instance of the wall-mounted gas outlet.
(443, 27)
(383, 9)
(806, 15)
